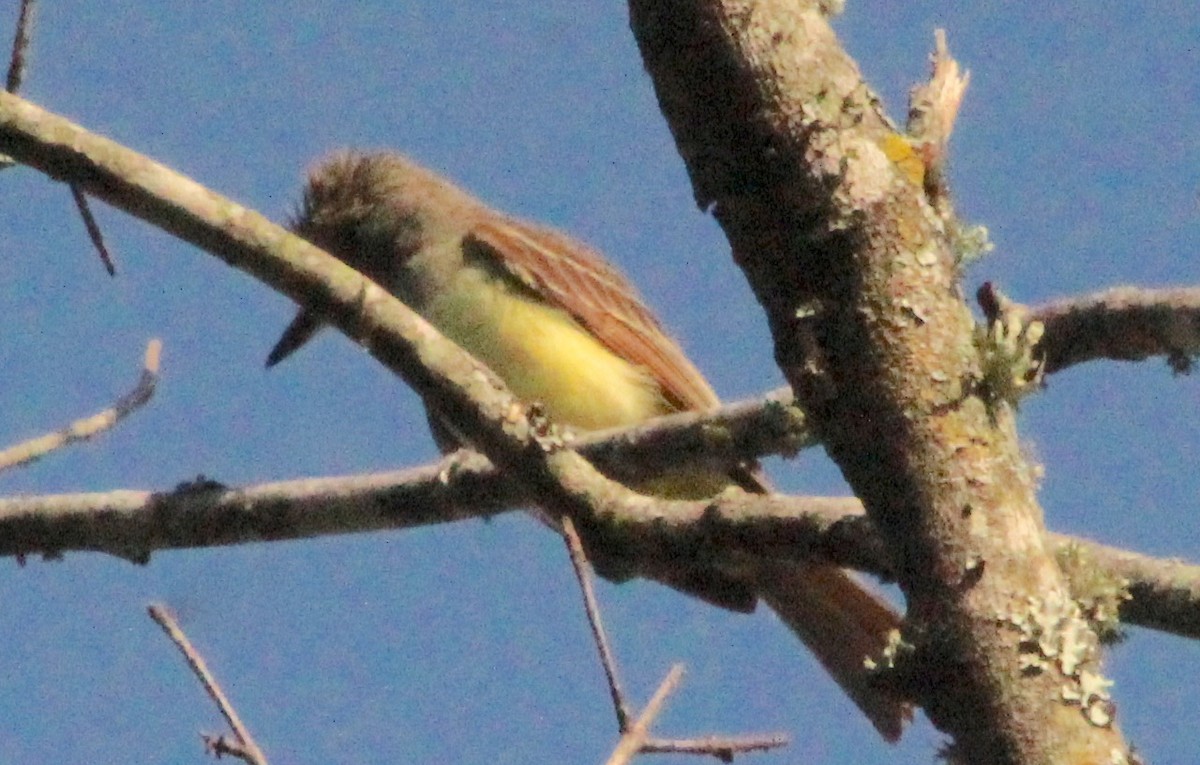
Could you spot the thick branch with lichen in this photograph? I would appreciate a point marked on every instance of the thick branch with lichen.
(787, 146)
(220, 223)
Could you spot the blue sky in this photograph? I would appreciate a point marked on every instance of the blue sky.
(1077, 146)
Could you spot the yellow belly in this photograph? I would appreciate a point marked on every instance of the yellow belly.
(543, 355)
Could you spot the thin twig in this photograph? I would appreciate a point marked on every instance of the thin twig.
(245, 746)
(93, 228)
(16, 73)
(220, 746)
(633, 739)
(583, 574)
(18, 62)
(89, 427)
(722, 748)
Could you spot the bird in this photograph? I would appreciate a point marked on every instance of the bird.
(564, 328)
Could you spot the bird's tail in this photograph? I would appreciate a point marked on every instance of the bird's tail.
(843, 624)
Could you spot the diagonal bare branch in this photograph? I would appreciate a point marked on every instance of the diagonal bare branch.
(467, 393)
(245, 747)
(95, 235)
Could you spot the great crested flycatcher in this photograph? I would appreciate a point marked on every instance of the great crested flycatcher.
(564, 328)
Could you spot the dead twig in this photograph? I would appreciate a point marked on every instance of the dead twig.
(18, 61)
(583, 575)
(636, 740)
(93, 229)
(723, 749)
(16, 75)
(635, 737)
(933, 108)
(90, 427)
(632, 740)
(243, 746)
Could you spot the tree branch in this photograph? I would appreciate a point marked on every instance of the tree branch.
(244, 746)
(89, 427)
(789, 148)
(1122, 324)
(467, 392)
(804, 319)
(133, 524)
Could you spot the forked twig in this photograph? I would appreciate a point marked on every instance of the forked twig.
(89, 427)
(635, 735)
(244, 746)
(632, 739)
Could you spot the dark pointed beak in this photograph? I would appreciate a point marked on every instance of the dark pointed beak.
(299, 332)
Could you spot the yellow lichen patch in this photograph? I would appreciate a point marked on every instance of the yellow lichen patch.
(905, 157)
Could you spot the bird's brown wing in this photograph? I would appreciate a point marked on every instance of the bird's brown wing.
(567, 274)
(839, 620)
